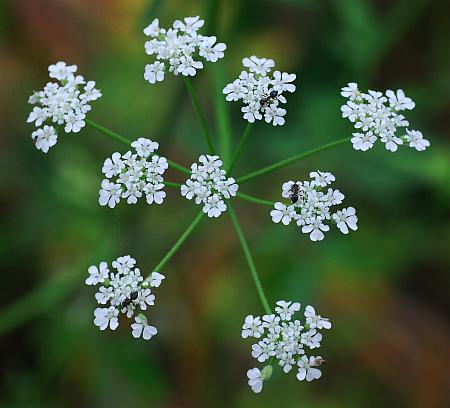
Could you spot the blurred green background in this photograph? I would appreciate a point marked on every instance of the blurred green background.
(385, 287)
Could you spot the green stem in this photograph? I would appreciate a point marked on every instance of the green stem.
(222, 114)
(252, 199)
(126, 141)
(248, 256)
(290, 160)
(179, 242)
(242, 142)
(107, 132)
(171, 184)
(200, 115)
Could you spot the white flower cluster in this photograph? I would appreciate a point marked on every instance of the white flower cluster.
(286, 340)
(209, 185)
(310, 206)
(375, 115)
(177, 49)
(60, 104)
(133, 174)
(125, 291)
(261, 93)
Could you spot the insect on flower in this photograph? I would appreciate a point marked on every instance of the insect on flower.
(128, 301)
(295, 190)
(265, 100)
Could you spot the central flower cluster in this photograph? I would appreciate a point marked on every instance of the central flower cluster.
(209, 185)
(64, 103)
(375, 116)
(310, 206)
(260, 93)
(133, 174)
(177, 48)
(286, 340)
(123, 291)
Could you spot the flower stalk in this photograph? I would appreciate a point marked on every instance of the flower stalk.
(249, 258)
(127, 142)
(291, 160)
(200, 114)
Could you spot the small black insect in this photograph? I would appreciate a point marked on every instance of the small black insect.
(127, 302)
(267, 98)
(295, 193)
(273, 94)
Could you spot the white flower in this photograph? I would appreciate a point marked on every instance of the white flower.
(90, 92)
(363, 141)
(311, 339)
(351, 91)
(190, 24)
(321, 178)
(109, 194)
(255, 380)
(252, 327)
(261, 94)
(61, 71)
(133, 175)
(145, 297)
(316, 230)
(105, 317)
(311, 206)
(391, 142)
(351, 111)
(104, 295)
(251, 113)
(154, 72)
(345, 219)
(45, 138)
(306, 369)
(234, 91)
(275, 115)
(124, 264)
(399, 100)
(123, 290)
(176, 49)
(283, 213)
(287, 309)
(210, 50)
(64, 104)
(152, 30)
(209, 185)
(416, 140)
(316, 321)
(377, 116)
(97, 275)
(74, 122)
(142, 328)
(285, 340)
(155, 279)
(282, 81)
(113, 166)
(257, 65)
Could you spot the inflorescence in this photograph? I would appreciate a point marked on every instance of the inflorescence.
(64, 103)
(261, 94)
(310, 206)
(286, 340)
(133, 174)
(125, 291)
(209, 185)
(178, 49)
(375, 115)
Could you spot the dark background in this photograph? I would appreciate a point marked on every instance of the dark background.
(385, 287)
